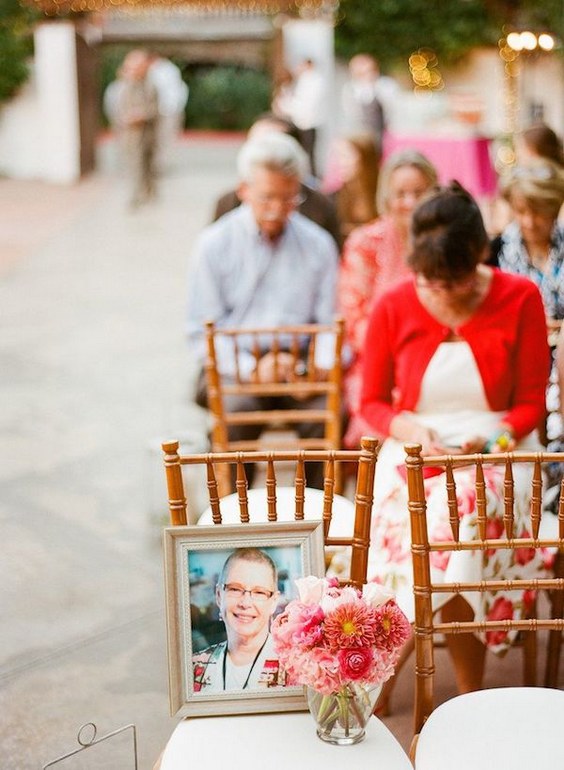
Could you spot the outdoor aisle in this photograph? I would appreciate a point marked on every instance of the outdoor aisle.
(95, 373)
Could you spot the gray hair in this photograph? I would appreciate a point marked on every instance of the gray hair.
(540, 182)
(402, 159)
(275, 152)
(254, 555)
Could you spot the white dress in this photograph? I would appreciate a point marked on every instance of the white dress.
(452, 401)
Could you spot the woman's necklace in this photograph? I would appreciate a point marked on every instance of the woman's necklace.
(224, 665)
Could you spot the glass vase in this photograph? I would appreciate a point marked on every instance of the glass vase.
(342, 716)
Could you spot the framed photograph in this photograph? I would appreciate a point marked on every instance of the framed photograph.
(224, 585)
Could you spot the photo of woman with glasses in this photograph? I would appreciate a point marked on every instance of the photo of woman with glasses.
(247, 596)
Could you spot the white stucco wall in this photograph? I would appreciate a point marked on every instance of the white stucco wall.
(39, 129)
(20, 134)
(57, 89)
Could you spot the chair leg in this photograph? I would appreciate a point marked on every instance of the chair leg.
(555, 636)
(467, 652)
(529, 659)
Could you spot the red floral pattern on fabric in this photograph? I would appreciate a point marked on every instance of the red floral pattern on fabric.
(373, 259)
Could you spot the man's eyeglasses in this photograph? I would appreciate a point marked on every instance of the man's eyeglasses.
(291, 201)
(235, 591)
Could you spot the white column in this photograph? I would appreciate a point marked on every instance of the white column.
(57, 88)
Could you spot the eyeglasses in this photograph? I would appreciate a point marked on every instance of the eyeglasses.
(234, 591)
(291, 201)
(437, 285)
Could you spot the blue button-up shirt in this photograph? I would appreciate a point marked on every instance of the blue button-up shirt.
(241, 278)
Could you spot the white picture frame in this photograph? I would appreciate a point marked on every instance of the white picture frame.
(194, 556)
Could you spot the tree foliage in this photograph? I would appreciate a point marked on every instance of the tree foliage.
(15, 46)
(392, 29)
(226, 97)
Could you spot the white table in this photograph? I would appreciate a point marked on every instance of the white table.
(275, 742)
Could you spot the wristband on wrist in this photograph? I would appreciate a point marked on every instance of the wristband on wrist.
(501, 438)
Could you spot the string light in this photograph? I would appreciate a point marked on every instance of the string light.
(423, 66)
(511, 48)
(60, 7)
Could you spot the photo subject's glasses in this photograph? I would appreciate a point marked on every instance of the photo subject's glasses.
(235, 591)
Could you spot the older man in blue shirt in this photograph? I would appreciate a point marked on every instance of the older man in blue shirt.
(263, 264)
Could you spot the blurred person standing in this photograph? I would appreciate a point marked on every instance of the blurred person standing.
(367, 98)
(305, 106)
(136, 117)
(172, 95)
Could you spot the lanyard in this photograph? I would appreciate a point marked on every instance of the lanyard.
(223, 667)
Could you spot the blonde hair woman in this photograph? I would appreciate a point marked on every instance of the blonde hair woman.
(374, 258)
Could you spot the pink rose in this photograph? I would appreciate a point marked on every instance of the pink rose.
(375, 594)
(336, 596)
(356, 663)
(311, 589)
(298, 624)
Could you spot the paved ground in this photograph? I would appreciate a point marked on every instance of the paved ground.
(95, 374)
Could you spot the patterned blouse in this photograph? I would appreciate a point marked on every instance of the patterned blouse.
(514, 258)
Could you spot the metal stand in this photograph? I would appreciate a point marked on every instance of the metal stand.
(87, 742)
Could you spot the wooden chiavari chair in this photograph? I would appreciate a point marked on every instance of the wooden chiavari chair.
(353, 534)
(550, 536)
(302, 386)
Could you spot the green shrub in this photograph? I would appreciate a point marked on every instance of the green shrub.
(227, 98)
(15, 46)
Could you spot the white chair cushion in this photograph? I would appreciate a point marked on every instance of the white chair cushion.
(342, 521)
(511, 727)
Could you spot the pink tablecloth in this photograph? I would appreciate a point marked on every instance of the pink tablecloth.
(467, 160)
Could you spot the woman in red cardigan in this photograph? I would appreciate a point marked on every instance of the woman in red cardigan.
(456, 359)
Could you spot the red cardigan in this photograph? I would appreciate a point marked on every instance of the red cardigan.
(507, 335)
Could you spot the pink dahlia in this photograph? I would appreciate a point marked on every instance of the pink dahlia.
(350, 625)
(393, 628)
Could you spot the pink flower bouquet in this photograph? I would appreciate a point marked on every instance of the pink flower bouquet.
(339, 641)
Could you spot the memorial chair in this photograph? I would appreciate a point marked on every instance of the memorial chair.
(211, 742)
(347, 527)
(547, 532)
(238, 429)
